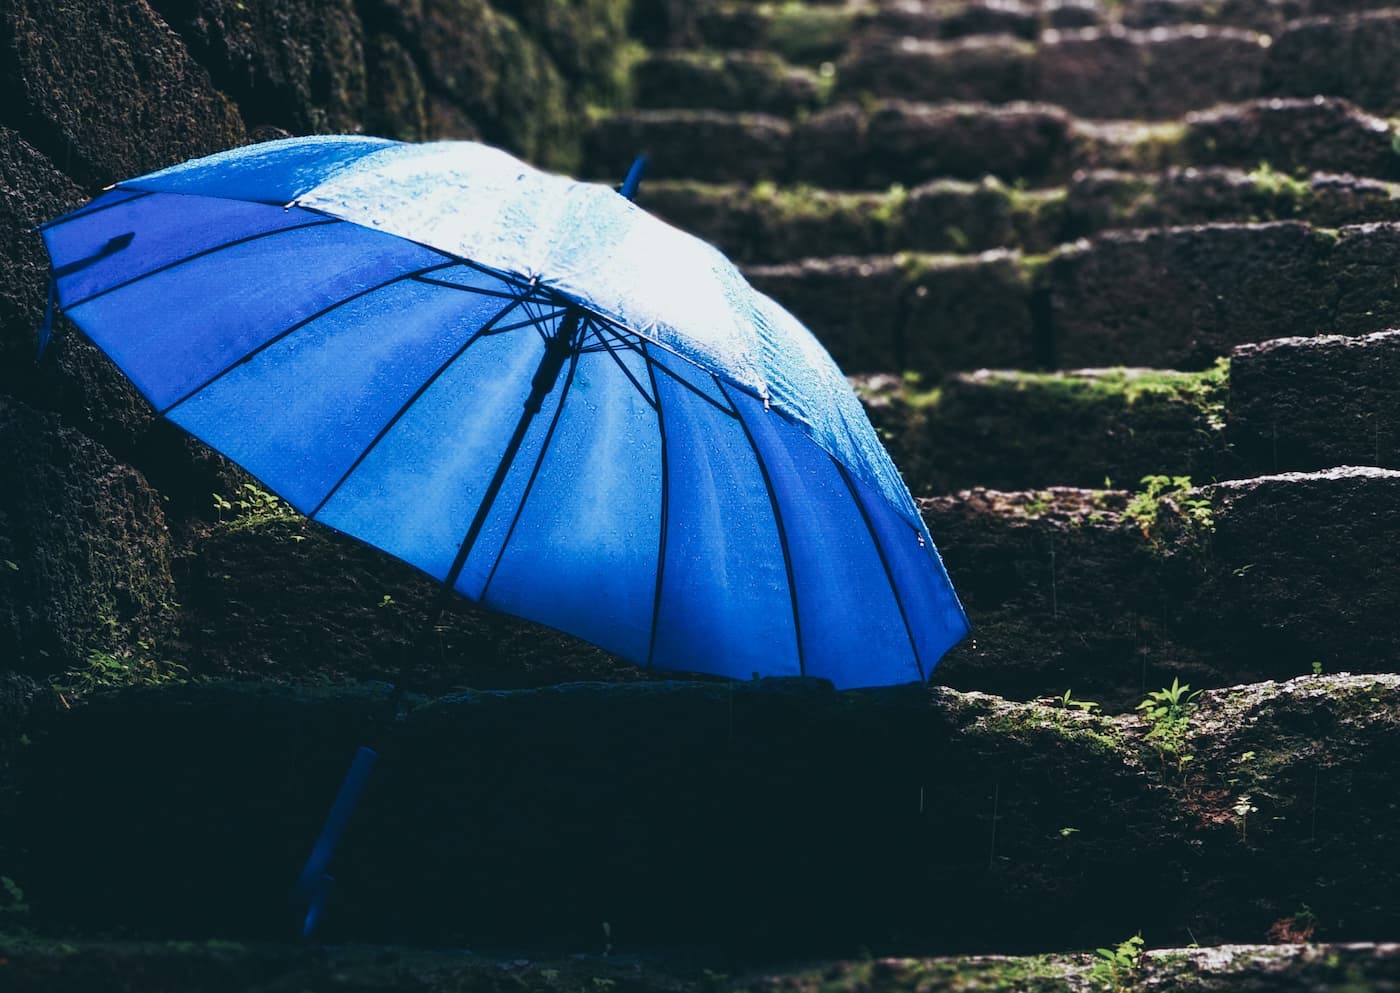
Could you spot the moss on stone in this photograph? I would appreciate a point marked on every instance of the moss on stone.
(808, 33)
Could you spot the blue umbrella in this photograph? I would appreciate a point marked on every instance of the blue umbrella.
(524, 386)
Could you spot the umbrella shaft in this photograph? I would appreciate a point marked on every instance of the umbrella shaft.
(556, 352)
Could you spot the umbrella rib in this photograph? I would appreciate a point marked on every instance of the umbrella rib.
(89, 210)
(249, 356)
(884, 560)
(665, 510)
(197, 255)
(728, 412)
(535, 322)
(448, 284)
(607, 347)
(422, 388)
(778, 520)
(534, 473)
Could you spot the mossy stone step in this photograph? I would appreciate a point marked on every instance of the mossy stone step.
(1182, 297)
(38, 965)
(1169, 298)
(850, 146)
(1095, 72)
(1098, 200)
(737, 81)
(1105, 590)
(928, 313)
(765, 223)
(1312, 403)
(693, 815)
(1012, 430)
(799, 32)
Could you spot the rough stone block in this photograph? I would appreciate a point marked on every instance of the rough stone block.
(759, 82)
(1311, 557)
(106, 90)
(966, 312)
(1117, 73)
(84, 551)
(1178, 298)
(689, 144)
(1316, 403)
(1353, 57)
(299, 66)
(1322, 133)
(913, 143)
(994, 68)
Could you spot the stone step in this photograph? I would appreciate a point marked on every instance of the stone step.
(1011, 430)
(1178, 298)
(37, 965)
(799, 32)
(1104, 591)
(735, 81)
(695, 815)
(1095, 72)
(1109, 72)
(765, 223)
(1311, 403)
(850, 146)
(1353, 57)
(1169, 298)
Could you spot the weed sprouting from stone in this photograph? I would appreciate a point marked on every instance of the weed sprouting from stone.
(1168, 712)
(1114, 968)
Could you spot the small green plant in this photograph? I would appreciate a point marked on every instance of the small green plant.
(1168, 712)
(1086, 706)
(1115, 968)
(1317, 668)
(1242, 809)
(113, 670)
(1146, 505)
(252, 505)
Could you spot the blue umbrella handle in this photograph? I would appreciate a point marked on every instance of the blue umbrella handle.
(314, 884)
(634, 178)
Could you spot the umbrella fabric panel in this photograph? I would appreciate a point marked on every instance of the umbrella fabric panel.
(299, 413)
(416, 491)
(178, 327)
(724, 604)
(847, 610)
(163, 230)
(274, 172)
(936, 619)
(582, 554)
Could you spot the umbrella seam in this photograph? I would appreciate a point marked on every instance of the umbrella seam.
(197, 255)
(416, 395)
(534, 473)
(884, 562)
(664, 524)
(778, 521)
(299, 325)
(88, 210)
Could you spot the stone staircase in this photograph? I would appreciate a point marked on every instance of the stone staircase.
(1063, 247)
(1119, 283)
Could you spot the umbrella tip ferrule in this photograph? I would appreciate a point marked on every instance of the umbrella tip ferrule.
(289, 204)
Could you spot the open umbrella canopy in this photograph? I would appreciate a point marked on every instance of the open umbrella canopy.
(526, 387)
